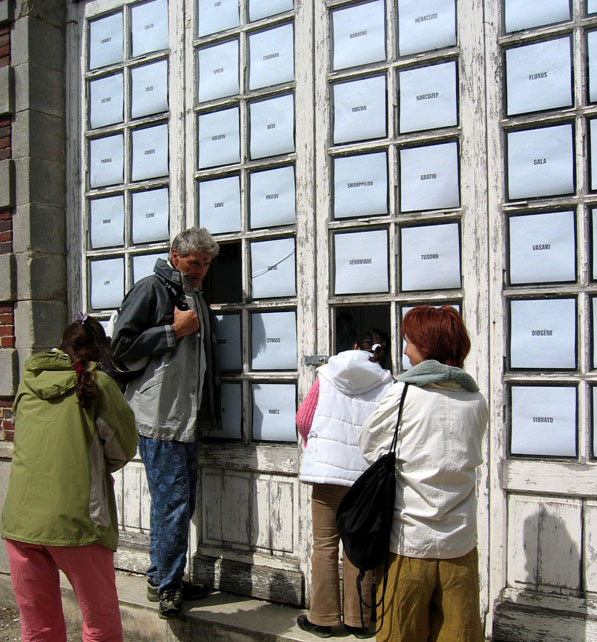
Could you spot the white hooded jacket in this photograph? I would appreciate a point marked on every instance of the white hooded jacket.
(349, 388)
(439, 449)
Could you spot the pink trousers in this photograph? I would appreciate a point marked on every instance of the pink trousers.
(35, 580)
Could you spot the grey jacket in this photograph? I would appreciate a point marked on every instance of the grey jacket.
(175, 395)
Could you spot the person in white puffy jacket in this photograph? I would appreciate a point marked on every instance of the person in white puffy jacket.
(433, 580)
(329, 420)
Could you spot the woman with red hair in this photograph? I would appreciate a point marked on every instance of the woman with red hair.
(433, 581)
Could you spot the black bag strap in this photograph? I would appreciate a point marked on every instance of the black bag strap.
(397, 429)
(361, 575)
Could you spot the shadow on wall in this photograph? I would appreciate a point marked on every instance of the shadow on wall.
(544, 572)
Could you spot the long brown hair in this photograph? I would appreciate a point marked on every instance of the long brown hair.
(85, 341)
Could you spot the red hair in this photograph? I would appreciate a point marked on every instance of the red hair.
(438, 333)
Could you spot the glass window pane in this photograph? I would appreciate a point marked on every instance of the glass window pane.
(106, 217)
(149, 93)
(150, 216)
(149, 29)
(106, 43)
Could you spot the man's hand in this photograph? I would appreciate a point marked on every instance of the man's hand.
(185, 322)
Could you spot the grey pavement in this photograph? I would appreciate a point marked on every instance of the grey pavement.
(221, 617)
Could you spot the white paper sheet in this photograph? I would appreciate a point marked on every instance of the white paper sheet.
(539, 76)
(107, 283)
(106, 43)
(143, 264)
(425, 25)
(540, 162)
(106, 101)
(273, 341)
(591, 6)
(150, 216)
(430, 257)
(361, 185)
(592, 64)
(271, 57)
(228, 341)
(272, 126)
(106, 221)
(542, 248)
(263, 8)
(429, 177)
(149, 89)
(216, 15)
(274, 410)
(231, 412)
(361, 262)
(218, 71)
(544, 420)
(522, 14)
(594, 392)
(219, 204)
(428, 97)
(593, 143)
(106, 162)
(359, 34)
(273, 271)
(594, 217)
(273, 200)
(149, 27)
(543, 333)
(406, 364)
(360, 110)
(150, 152)
(219, 138)
(594, 327)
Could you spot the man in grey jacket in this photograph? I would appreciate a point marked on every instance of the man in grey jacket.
(163, 332)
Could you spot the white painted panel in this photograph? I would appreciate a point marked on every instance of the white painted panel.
(132, 496)
(211, 496)
(590, 545)
(282, 515)
(236, 506)
(145, 509)
(118, 492)
(544, 542)
(260, 512)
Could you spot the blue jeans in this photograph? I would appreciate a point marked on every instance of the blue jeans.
(172, 469)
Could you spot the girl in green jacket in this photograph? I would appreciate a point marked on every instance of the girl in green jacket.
(73, 428)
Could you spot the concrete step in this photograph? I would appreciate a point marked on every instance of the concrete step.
(221, 617)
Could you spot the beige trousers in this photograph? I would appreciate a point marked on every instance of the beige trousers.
(325, 593)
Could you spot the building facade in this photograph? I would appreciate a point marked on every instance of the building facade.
(353, 159)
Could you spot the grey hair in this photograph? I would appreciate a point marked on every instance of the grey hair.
(194, 240)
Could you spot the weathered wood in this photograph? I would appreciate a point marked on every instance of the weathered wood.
(268, 583)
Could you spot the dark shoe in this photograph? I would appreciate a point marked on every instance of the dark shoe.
(192, 592)
(153, 593)
(320, 631)
(170, 602)
(359, 632)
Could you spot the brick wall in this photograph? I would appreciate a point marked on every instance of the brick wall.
(7, 326)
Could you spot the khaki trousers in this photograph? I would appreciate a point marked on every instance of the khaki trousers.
(430, 600)
(325, 591)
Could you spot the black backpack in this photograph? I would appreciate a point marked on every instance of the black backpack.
(365, 515)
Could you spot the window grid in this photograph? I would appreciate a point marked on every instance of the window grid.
(580, 203)
(249, 378)
(126, 127)
(395, 220)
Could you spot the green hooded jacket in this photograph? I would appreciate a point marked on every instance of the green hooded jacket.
(60, 491)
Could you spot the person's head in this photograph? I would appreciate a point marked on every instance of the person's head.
(85, 341)
(435, 333)
(192, 252)
(377, 342)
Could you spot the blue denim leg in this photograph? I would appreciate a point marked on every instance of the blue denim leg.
(171, 468)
